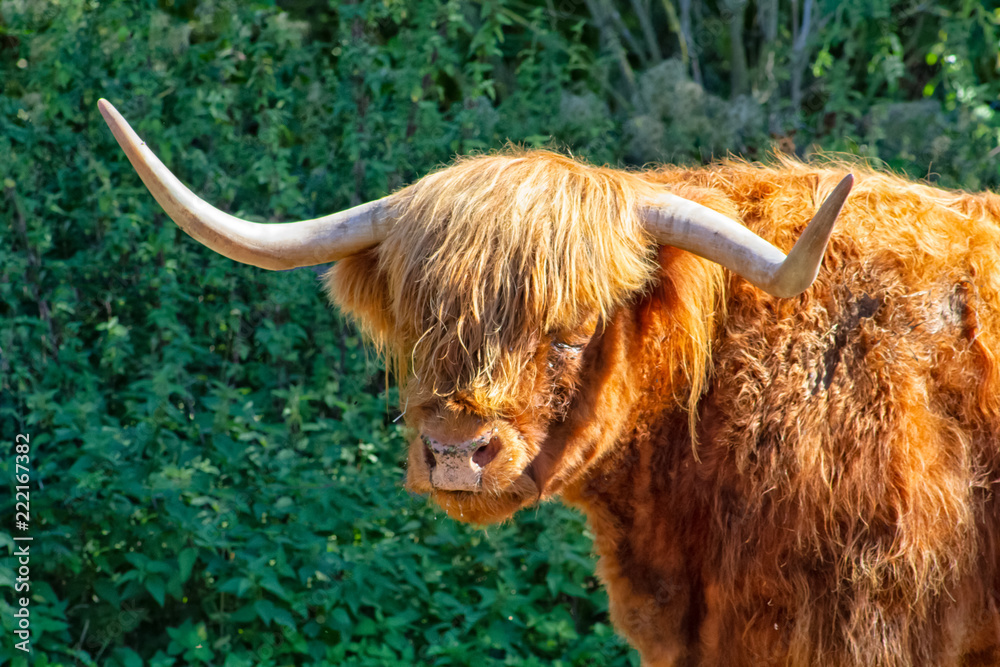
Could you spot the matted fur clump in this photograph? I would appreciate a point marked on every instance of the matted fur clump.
(488, 249)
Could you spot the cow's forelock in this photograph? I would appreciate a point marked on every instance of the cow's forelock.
(495, 257)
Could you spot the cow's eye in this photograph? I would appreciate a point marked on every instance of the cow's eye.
(568, 347)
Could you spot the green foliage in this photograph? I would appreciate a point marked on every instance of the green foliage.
(217, 476)
(913, 85)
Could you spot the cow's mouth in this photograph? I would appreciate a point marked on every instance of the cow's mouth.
(483, 506)
(527, 475)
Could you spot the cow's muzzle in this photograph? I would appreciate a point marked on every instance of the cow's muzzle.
(459, 466)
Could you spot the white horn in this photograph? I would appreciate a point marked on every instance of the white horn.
(681, 223)
(268, 246)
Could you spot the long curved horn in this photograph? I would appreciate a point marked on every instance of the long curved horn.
(275, 247)
(684, 224)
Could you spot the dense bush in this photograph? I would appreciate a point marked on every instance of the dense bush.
(216, 466)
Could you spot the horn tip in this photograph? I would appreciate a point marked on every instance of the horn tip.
(107, 110)
(846, 183)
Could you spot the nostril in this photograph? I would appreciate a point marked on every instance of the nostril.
(429, 456)
(487, 452)
(482, 456)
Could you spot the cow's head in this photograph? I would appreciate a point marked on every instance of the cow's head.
(491, 286)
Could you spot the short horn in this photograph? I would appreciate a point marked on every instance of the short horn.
(268, 246)
(684, 224)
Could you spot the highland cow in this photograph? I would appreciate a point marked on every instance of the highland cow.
(774, 475)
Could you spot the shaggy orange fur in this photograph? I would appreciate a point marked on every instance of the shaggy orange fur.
(837, 507)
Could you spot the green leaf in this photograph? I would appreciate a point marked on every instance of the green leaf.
(126, 657)
(265, 610)
(156, 588)
(186, 559)
(239, 586)
(106, 590)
